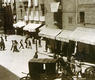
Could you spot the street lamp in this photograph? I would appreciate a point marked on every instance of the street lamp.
(36, 55)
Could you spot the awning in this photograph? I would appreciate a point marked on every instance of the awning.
(49, 32)
(85, 35)
(64, 36)
(31, 27)
(19, 24)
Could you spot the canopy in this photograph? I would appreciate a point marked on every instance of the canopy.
(85, 35)
(44, 60)
(31, 27)
(49, 32)
(64, 36)
(19, 24)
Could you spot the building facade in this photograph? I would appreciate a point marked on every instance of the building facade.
(53, 19)
(31, 11)
(1, 18)
(74, 13)
(78, 13)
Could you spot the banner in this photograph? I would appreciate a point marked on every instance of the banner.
(29, 3)
(35, 2)
(42, 18)
(31, 16)
(26, 18)
(54, 6)
(36, 16)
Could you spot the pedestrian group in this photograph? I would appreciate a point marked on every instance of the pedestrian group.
(15, 44)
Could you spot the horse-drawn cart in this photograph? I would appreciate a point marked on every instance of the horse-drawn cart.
(42, 69)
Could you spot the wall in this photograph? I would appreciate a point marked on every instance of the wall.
(87, 6)
(18, 12)
(49, 16)
(72, 8)
(69, 11)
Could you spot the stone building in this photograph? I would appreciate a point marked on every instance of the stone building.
(74, 13)
(70, 15)
(32, 11)
(53, 19)
(21, 8)
(78, 13)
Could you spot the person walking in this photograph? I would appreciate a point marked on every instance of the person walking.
(15, 46)
(26, 42)
(12, 45)
(2, 44)
(30, 46)
(5, 37)
(21, 44)
(39, 42)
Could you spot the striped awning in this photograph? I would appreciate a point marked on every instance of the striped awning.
(64, 36)
(41, 60)
(31, 27)
(49, 32)
(84, 35)
(19, 24)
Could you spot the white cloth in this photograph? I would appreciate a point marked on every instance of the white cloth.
(36, 17)
(54, 6)
(25, 18)
(35, 2)
(31, 16)
(42, 18)
(29, 3)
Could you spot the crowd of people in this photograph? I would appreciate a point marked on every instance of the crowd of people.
(21, 45)
(15, 45)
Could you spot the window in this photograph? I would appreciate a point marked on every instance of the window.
(25, 5)
(82, 17)
(70, 20)
(58, 16)
(58, 19)
(43, 9)
(20, 9)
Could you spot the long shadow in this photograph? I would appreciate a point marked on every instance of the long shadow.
(5, 74)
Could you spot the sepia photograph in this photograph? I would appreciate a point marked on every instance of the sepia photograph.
(47, 39)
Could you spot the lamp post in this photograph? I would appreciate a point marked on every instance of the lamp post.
(36, 55)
